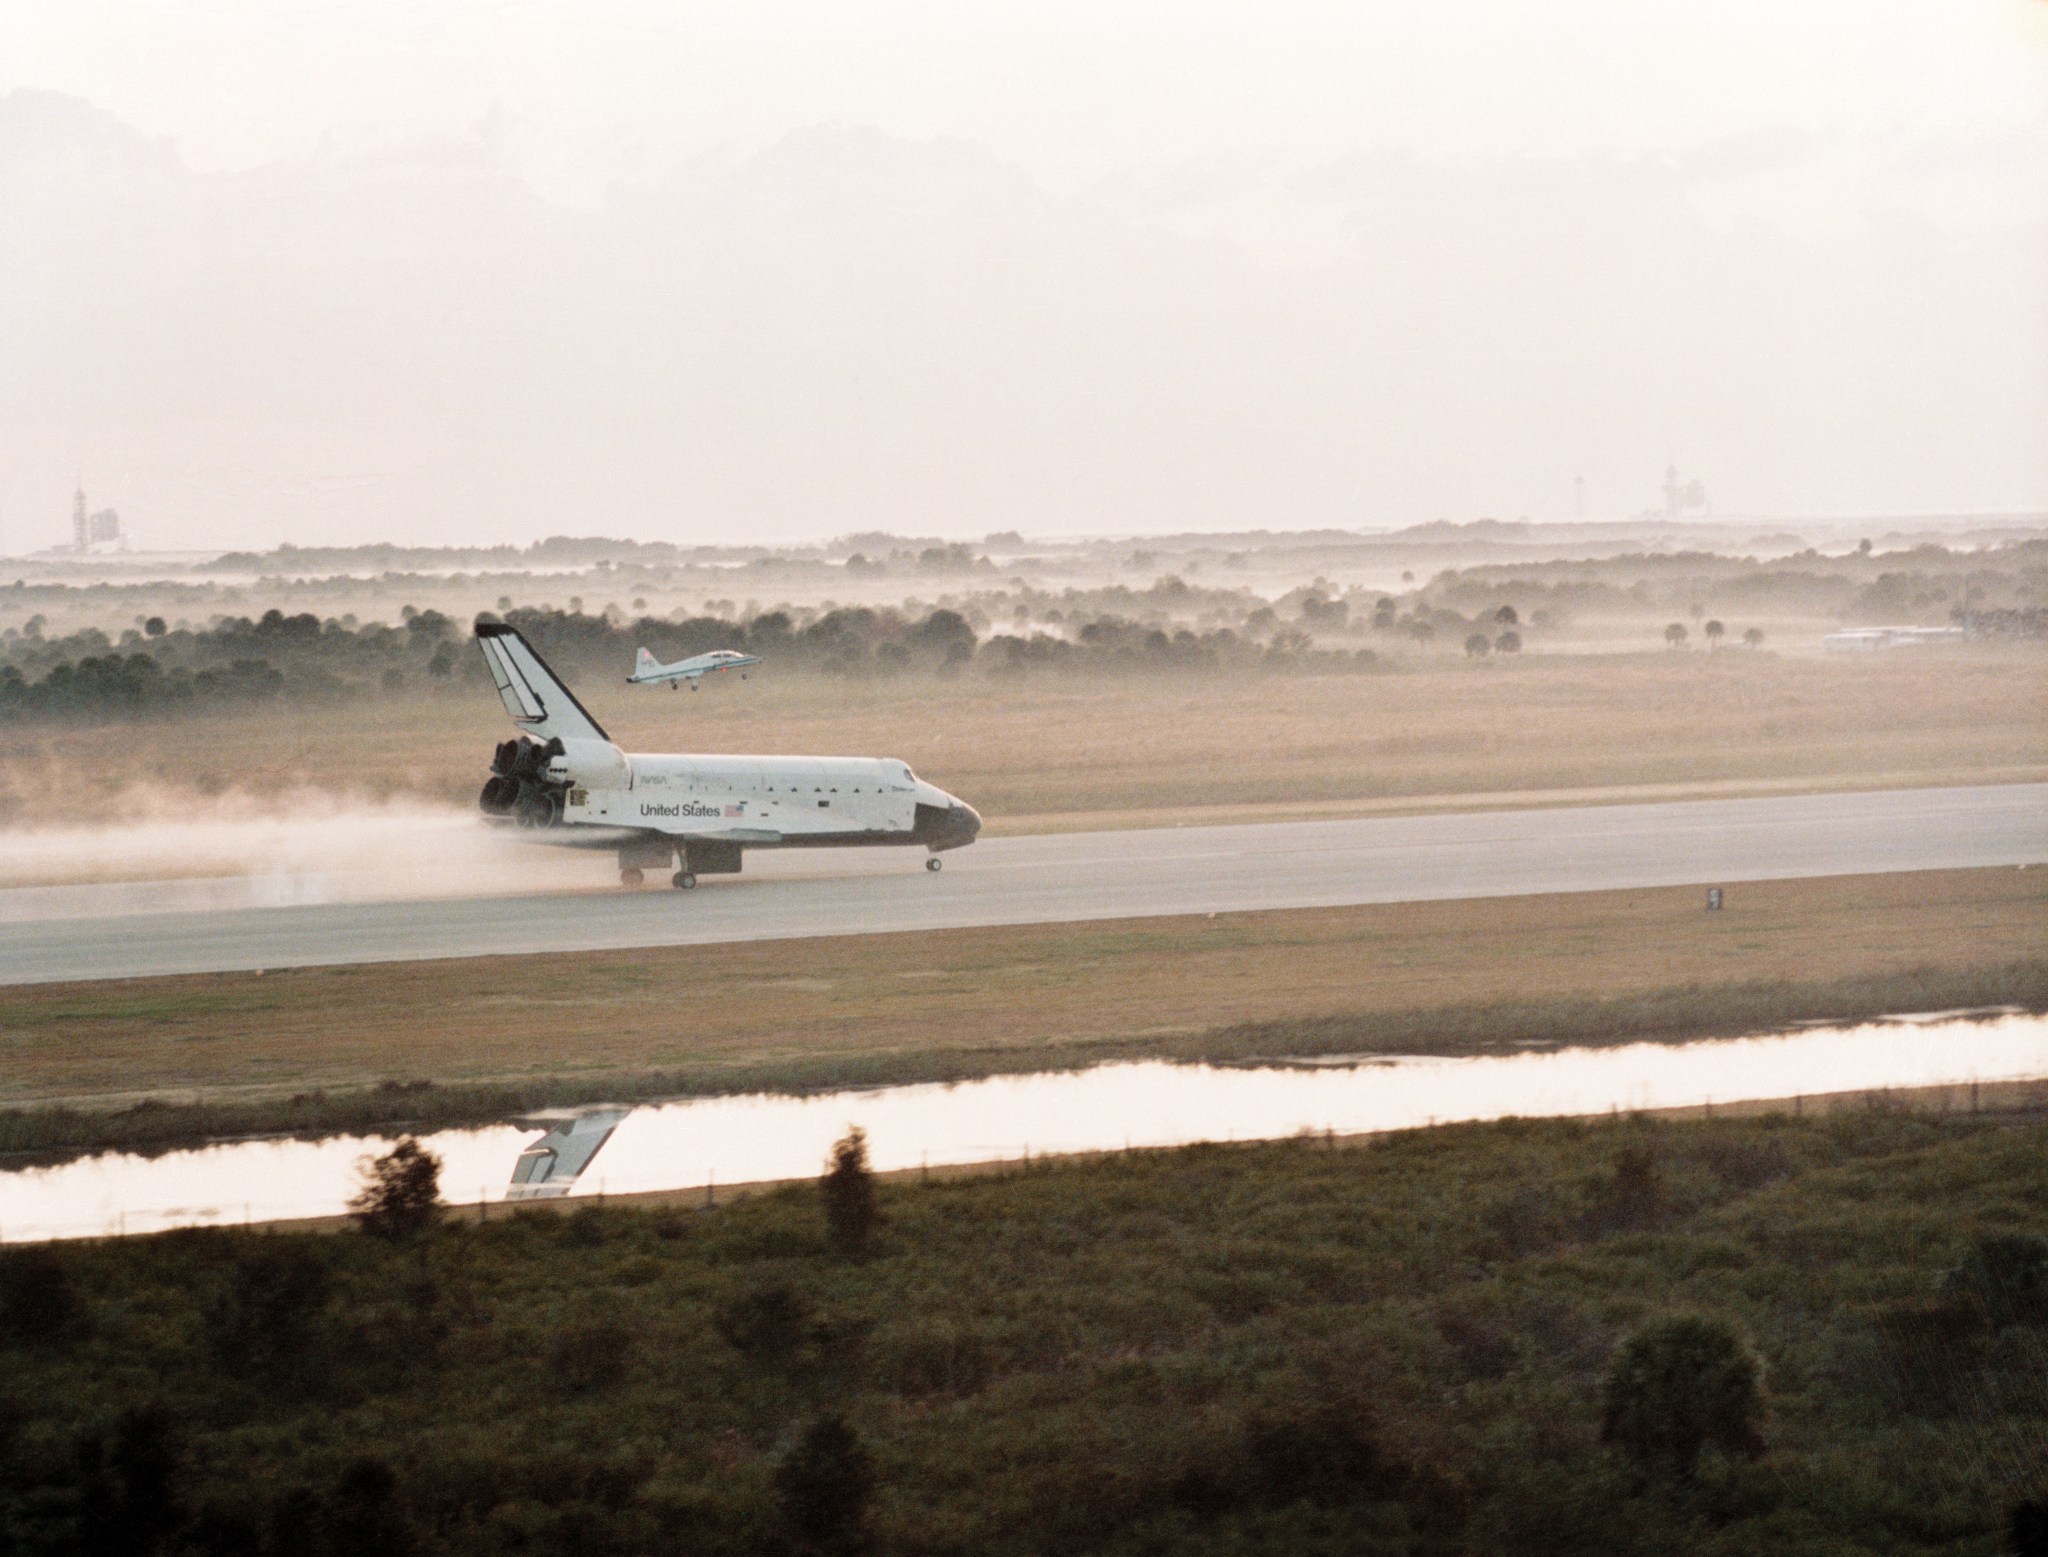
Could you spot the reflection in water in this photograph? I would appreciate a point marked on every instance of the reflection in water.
(730, 1140)
(550, 1167)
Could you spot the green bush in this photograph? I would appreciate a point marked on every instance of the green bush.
(590, 1351)
(2005, 1278)
(39, 1303)
(852, 1210)
(769, 1324)
(270, 1306)
(1679, 1387)
(826, 1485)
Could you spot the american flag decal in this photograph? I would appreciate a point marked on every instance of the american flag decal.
(738, 810)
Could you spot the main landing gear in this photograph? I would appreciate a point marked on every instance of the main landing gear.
(630, 877)
(934, 863)
(682, 881)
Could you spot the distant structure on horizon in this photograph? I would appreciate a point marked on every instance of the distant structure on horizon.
(90, 533)
(1682, 498)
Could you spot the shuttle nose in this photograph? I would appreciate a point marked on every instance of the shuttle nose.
(945, 821)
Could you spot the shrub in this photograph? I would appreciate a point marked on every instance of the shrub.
(274, 1296)
(769, 1324)
(1746, 1164)
(926, 1357)
(38, 1302)
(1480, 1338)
(1325, 1452)
(298, 1521)
(1926, 1355)
(2005, 1278)
(367, 1517)
(1526, 1219)
(2026, 1529)
(1679, 1387)
(401, 1193)
(131, 1481)
(826, 1485)
(852, 1211)
(590, 1352)
(1629, 1195)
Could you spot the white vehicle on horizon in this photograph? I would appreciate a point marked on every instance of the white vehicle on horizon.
(564, 781)
(649, 671)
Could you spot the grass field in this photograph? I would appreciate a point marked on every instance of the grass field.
(1051, 751)
(1408, 978)
(1271, 1349)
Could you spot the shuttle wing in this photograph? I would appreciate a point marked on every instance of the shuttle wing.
(533, 695)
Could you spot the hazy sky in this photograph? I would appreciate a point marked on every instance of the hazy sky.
(455, 271)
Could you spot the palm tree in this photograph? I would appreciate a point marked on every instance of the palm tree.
(1681, 1386)
(1714, 630)
(1675, 635)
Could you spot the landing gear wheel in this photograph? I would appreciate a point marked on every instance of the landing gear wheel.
(630, 877)
(683, 880)
(934, 863)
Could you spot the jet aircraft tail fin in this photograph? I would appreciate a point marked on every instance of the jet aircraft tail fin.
(533, 695)
(643, 662)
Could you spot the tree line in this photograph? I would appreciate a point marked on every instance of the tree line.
(237, 661)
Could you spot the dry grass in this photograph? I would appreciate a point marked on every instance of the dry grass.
(1017, 998)
(1040, 753)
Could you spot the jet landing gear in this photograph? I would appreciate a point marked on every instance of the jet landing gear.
(683, 881)
(934, 863)
(631, 876)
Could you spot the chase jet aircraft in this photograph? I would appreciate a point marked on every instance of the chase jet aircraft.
(566, 782)
(649, 671)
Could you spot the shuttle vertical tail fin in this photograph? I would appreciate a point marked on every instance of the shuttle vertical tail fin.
(534, 696)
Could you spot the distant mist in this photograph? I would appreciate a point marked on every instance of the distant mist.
(851, 330)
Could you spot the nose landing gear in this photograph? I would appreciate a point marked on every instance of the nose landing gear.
(934, 863)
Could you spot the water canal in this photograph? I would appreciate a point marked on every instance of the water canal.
(728, 1140)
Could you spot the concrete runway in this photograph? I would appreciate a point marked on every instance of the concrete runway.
(1064, 877)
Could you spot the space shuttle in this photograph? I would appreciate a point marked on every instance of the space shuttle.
(563, 780)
